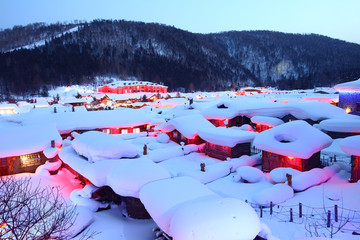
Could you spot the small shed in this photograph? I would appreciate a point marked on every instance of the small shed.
(264, 123)
(351, 145)
(22, 148)
(185, 128)
(349, 96)
(295, 144)
(223, 143)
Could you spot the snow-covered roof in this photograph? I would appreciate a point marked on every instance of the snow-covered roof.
(225, 136)
(296, 139)
(124, 176)
(16, 141)
(351, 145)
(353, 86)
(270, 121)
(187, 125)
(89, 120)
(341, 125)
(133, 83)
(74, 100)
(8, 106)
(162, 198)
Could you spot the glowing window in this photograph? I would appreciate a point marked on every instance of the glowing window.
(108, 131)
(124, 131)
(136, 130)
(29, 160)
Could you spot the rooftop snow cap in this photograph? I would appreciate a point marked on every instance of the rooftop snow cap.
(16, 141)
(226, 136)
(187, 125)
(297, 139)
(353, 86)
(351, 145)
(270, 121)
(341, 125)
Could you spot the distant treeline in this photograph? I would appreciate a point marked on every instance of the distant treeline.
(177, 58)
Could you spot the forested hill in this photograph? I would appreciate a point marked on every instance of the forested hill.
(63, 54)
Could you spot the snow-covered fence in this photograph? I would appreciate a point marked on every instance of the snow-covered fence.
(328, 160)
(318, 221)
(255, 150)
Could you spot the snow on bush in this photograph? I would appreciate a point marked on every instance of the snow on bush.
(97, 146)
(265, 233)
(76, 197)
(276, 194)
(278, 175)
(245, 160)
(163, 138)
(314, 177)
(224, 218)
(248, 174)
(212, 172)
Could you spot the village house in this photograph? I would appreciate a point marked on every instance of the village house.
(351, 145)
(296, 144)
(185, 128)
(264, 123)
(23, 149)
(341, 127)
(349, 96)
(121, 87)
(223, 143)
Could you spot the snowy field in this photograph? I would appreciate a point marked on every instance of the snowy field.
(118, 161)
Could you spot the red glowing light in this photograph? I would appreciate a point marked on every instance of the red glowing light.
(290, 157)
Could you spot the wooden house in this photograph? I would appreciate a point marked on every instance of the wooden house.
(22, 148)
(349, 96)
(185, 128)
(351, 145)
(121, 87)
(295, 144)
(342, 127)
(223, 143)
(264, 123)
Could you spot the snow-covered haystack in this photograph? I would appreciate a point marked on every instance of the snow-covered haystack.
(248, 174)
(245, 160)
(159, 155)
(163, 138)
(97, 146)
(314, 177)
(127, 178)
(276, 194)
(278, 175)
(212, 172)
(224, 218)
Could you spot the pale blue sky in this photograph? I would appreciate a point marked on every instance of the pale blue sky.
(335, 18)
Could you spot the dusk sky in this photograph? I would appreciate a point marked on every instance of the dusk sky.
(333, 18)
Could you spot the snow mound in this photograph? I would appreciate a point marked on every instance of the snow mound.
(278, 175)
(163, 138)
(225, 218)
(276, 194)
(351, 145)
(334, 196)
(249, 174)
(97, 146)
(246, 127)
(44, 170)
(245, 160)
(51, 152)
(314, 177)
(159, 155)
(76, 197)
(226, 136)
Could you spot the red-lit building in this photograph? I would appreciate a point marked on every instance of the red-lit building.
(264, 123)
(295, 144)
(121, 87)
(351, 145)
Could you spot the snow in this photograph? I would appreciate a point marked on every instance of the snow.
(278, 175)
(245, 160)
(269, 121)
(342, 125)
(303, 140)
(163, 138)
(51, 152)
(277, 194)
(48, 167)
(78, 199)
(226, 136)
(20, 140)
(187, 125)
(159, 155)
(313, 177)
(225, 218)
(96, 146)
(353, 86)
(248, 174)
(351, 145)
(162, 198)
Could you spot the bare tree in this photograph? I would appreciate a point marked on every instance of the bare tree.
(33, 212)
